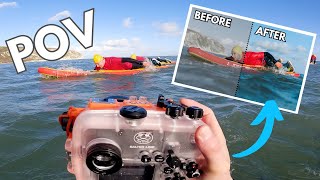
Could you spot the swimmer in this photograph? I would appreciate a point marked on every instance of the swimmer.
(257, 59)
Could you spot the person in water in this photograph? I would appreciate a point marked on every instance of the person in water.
(119, 63)
(313, 59)
(257, 59)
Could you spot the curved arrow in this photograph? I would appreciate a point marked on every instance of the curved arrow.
(270, 112)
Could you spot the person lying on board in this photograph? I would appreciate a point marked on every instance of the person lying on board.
(119, 63)
(263, 59)
(313, 59)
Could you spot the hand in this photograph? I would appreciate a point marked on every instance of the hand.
(278, 65)
(146, 63)
(215, 161)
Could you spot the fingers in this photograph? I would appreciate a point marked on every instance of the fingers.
(211, 142)
(207, 142)
(208, 117)
(214, 151)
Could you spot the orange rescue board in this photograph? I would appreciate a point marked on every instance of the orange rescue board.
(58, 73)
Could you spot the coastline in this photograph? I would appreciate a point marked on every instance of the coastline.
(42, 60)
(5, 56)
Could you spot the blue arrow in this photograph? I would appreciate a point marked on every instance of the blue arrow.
(270, 112)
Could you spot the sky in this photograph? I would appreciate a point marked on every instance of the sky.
(237, 34)
(143, 27)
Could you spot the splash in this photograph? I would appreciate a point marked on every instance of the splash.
(72, 69)
(151, 68)
(280, 71)
(312, 171)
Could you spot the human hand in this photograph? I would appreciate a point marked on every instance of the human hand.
(146, 63)
(278, 65)
(215, 160)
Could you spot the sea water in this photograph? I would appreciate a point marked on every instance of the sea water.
(246, 83)
(32, 141)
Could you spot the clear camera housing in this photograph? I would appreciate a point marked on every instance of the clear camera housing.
(131, 138)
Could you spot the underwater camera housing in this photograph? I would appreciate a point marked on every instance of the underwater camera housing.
(130, 138)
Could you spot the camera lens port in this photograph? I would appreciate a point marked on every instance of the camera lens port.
(104, 158)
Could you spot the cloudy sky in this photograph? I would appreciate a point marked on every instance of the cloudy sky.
(123, 27)
(120, 28)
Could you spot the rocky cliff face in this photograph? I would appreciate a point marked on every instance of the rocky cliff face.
(6, 58)
(196, 39)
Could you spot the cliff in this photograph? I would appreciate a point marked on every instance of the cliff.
(196, 39)
(6, 58)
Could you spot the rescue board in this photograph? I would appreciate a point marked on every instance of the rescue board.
(59, 73)
(211, 58)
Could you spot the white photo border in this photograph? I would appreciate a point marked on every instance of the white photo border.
(252, 20)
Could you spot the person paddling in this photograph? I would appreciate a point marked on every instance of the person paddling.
(118, 63)
(257, 59)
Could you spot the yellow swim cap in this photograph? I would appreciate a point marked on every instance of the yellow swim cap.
(133, 56)
(97, 58)
(237, 53)
(237, 50)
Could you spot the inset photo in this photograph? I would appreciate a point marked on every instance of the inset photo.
(243, 58)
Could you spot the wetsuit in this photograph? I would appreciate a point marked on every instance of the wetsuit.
(118, 63)
(257, 59)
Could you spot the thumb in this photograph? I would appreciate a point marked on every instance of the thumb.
(206, 142)
(214, 150)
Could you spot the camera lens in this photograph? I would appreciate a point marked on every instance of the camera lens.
(104, 158)
(103, 162)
